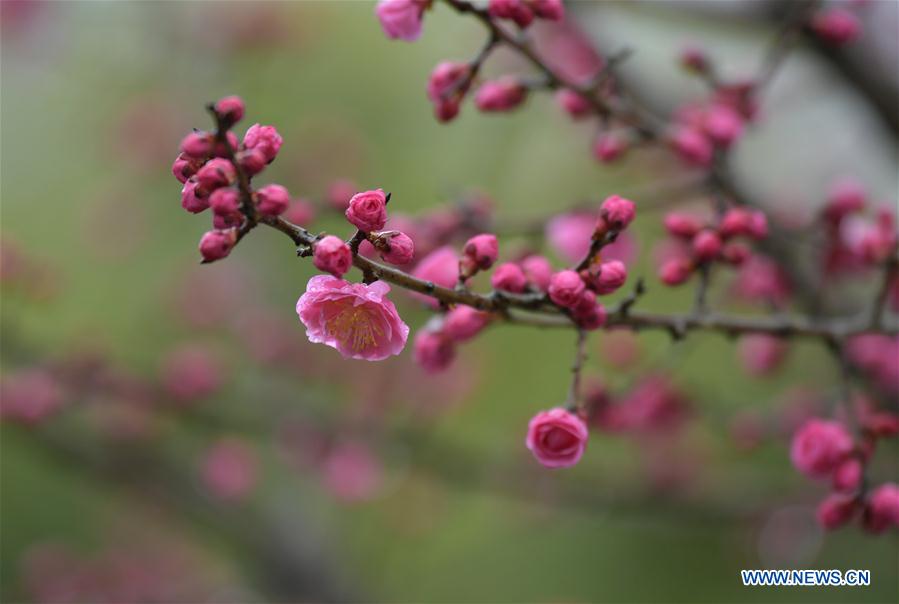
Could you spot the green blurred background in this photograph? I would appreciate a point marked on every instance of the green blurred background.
(95, 97)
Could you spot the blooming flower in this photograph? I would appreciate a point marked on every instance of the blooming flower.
(557, 438)
(355, 319)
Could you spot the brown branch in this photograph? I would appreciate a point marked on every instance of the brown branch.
(647, 125)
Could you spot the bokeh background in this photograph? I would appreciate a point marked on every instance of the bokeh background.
(374, 482)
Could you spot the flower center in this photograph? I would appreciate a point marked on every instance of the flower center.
(354, 328)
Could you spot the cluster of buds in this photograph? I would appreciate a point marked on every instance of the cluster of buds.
(435, 345)
(699, 243)
(209, 165)
(853, 239)
(573, 291)
(654, 405)
(523, 12)
(367, 211)
(714, 124)
(825, 450)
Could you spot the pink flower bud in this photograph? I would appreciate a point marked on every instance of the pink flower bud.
(215, 245)
(231, 109)
(229, 470)
(224, 222)
(682, 225)
(846, 197)
(252, 161)
(368, 210)
(617, 211)
(225, 201)
(197, 144)
(190, 200)
(222, 150)
(482, 250)
(675, 271)
(695, 59)
(28, 396)
(300, 212)
(463, 323)
(264, 139)
(574, 103)
(552, 10)
(557, 438)
(761, 354)
(433, 351)
(538, 271)
(509, 277)
(566, 288)
(723, 125)
(819, 446)
(513, 10)
(835, 511)
(217, 172)
(396, 247)
(836, 25)
(692, 146)
(189, 373)
(587, 313)
(272, 200)
(735, 253)
(340, 192)
(706, 245)
(185, 167)
(331, 254)
(447, 85)
(882, 509)
(881, 424)
(500, 95)
(740, 221)
(610, 276)
(401, 19)
(592, 319)
(609, 147)
(848, 475)
(440, 267)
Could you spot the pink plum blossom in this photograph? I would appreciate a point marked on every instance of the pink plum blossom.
(356, 319)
